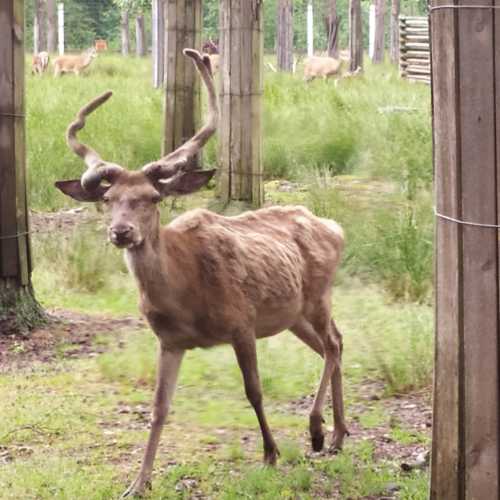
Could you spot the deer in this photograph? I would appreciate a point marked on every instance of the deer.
(207, 279)
(39, 63)
(315, 67)
(74, 63)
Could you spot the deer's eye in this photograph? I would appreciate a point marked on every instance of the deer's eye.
(105, 199)
(156, 198)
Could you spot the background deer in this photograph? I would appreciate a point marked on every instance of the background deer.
(74, 63)
(212, 49)
(321, 67)
(206, 279)
(39, 63)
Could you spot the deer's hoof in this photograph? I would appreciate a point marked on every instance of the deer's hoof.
(137, 489)
(316, 431)
(271, 456)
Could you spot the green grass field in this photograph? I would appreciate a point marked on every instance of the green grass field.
(74, 426)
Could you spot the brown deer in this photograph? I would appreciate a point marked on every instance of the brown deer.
(39, 63)
(206, 279)
(74, 63)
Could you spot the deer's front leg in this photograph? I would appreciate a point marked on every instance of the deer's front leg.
(246, 354)
(169, 363)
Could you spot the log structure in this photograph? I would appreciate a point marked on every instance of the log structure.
(241, 86)
(415, 57)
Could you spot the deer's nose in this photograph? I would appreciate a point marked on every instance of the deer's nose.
(120, 233)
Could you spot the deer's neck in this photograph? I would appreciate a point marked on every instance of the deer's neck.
(145, 262)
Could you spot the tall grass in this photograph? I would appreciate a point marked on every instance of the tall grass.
(347, 127)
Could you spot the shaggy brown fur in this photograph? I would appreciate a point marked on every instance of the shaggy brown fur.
(206, 279)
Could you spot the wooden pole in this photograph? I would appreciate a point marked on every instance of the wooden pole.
(124, 29)
(466, 115)
(18, 308)
(183, 22)
(60, 28)
(140, 35)
(158, 36)
(310, 29)
(284, 35)
(355, 36)
(241, 86)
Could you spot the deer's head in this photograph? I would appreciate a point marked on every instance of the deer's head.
(132, 196)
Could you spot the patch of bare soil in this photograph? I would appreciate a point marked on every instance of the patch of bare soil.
(62, 221)
(68, 334)
(412, 413)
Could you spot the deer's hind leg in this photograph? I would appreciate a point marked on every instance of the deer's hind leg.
(325, 339)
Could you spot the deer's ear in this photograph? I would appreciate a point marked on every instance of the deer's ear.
(74, 189)
(186, 182)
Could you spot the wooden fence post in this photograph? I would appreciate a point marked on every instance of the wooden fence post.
(241, 87)
(18, 308)
(183, 22)
(355, 35)
(466, 115)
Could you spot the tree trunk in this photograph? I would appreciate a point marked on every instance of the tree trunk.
(39, 42)
(332, 22)
(51, 26)
(240, 131)
(140, 36)
(378, 51)
(284, 38)
(125, 33)
(355, 36)
(19, 311)
(395, 31)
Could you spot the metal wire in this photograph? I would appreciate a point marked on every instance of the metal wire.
(15, 236)
(465, 222)
(13, 115)
(450, 6)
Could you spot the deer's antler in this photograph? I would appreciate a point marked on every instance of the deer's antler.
(97, 168)
(177, 160)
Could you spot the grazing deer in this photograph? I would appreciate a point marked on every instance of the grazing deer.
(206, 279)
(74, 63)
(39, 63)
(315, 67)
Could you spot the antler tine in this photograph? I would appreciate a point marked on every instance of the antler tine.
(170, 164)
(97, 168)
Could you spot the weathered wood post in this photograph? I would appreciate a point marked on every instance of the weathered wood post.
(241, 87)
(18, 307)
(284, 35)
(183, 23)
(466, 114)
(355, 35)
(158, 36)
